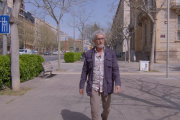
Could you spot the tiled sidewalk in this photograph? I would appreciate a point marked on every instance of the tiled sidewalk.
(56, 98)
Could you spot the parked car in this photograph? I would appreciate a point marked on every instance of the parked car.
(118, 55)
(34, 52)
(25, 51)
(47, 53)
(62, 52)
(55, 53)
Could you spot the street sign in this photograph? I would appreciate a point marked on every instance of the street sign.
(4, 24)
(64, 37)
(86, 48)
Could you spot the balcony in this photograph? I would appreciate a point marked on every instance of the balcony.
(142, 16)
(175, 5)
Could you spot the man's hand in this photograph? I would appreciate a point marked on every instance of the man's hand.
(81, 91)
(117, 89)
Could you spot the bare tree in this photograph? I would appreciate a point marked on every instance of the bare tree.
(26, 32)
(15, 77)
(47, 39)
(82, 17)
(51, 7)
(89, 29)
(149, 8)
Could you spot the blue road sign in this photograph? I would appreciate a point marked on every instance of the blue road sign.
(4, 24)
(86, 48)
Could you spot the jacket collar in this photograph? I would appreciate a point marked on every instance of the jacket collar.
(106, 49)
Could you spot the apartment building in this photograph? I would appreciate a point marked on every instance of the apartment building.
(26, 30)
(142, 25)
(34, 33)
(119, 28)
(9, 8)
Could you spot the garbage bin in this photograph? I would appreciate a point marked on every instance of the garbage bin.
(143, 65)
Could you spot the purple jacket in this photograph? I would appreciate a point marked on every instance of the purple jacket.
(111, 71)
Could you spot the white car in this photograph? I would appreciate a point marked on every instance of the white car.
(55, 53)
(25, 51)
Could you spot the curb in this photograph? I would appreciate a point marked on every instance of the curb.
(144, 73)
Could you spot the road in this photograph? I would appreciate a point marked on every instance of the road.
(52, 57)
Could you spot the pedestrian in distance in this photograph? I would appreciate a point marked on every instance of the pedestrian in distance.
(83, 55)
(102, 70)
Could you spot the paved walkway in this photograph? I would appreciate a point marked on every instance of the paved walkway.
(144, 96)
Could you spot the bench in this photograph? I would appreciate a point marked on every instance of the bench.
(47, 68)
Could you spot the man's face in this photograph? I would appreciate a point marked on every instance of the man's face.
(99, 41)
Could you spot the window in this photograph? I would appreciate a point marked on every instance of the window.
(152, 3)
(178, 32)
(178, 35)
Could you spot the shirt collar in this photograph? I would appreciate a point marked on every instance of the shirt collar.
(96, 50)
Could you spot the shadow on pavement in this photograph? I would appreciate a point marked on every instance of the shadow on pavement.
(152, 96)
(48, 75)
(175, 68)
(69, 115)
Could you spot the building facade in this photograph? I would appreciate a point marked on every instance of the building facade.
(119, 28)
(142, 27)
(26, 30)
(34, 33)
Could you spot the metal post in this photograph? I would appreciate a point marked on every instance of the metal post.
(125, 49)
(74, 29)
(4, 52)
(167, 68)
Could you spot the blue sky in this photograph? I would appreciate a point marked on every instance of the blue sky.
(101, 14)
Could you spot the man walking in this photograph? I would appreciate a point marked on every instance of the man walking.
(102, 70)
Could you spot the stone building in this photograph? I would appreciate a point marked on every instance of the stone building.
(141, 41)
(34, 33)
(119, 28)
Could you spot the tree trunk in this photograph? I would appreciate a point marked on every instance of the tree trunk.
(15, 78)
(59, 56)
(129, 55)
(152, 47)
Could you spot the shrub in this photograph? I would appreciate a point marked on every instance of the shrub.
(77, 56)
(29, 67)
(5, 71)
(72, 57)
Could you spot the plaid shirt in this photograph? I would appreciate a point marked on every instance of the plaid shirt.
(98, 72)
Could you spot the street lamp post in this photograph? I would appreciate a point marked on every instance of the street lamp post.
(125, 48)
(74, 28)
(167, 67)
(4, 52)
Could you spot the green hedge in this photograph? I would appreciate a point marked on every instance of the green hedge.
(72, 57)
(5, 71)
(29, 66)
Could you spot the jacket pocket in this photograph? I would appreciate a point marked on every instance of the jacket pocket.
(109, 62)
(109, 67)
(88, 88)
(110, 85)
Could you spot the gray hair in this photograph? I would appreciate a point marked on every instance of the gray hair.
(97, 32)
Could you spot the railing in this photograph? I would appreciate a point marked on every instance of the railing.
(175, 2)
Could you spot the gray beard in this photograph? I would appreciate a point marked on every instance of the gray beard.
(100, 46)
